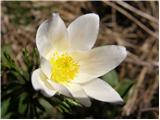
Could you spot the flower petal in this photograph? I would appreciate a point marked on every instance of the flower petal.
(39, 82)
(100, 90)
(46, 67)
(60, 88)
(83, 31)
(99, 61)
(78, 93)
(50, 33)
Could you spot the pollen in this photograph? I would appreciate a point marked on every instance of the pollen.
(64, 67)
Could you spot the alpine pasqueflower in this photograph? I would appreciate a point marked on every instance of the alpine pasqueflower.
(68, 64)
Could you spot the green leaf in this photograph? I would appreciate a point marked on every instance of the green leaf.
(45, 104)
(15, 91)
(66, 105)
(39, 106)
(59, 109)
(72, 102)
(63, 108)
(17, 81)
(111, 78)
(31, 59)
(124, 86)
(26, 57)
(22, 106)
(4, 107)
(7, 61)
(7, 116)
(7, 48)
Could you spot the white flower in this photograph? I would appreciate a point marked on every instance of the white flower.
(68, 64)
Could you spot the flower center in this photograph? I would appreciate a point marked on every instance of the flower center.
(64, 67)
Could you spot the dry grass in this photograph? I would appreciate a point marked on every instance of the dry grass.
(131, 24)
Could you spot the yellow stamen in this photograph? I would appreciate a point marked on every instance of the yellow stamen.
(64, 67)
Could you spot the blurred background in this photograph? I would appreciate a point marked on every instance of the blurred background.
(130, 24)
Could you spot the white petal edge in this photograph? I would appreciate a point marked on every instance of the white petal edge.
(45, 67)
(79, 94)
(99, 61)
(50, 33)
(83, 31)
(60, 88)
(102, 91)
(40, 83)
